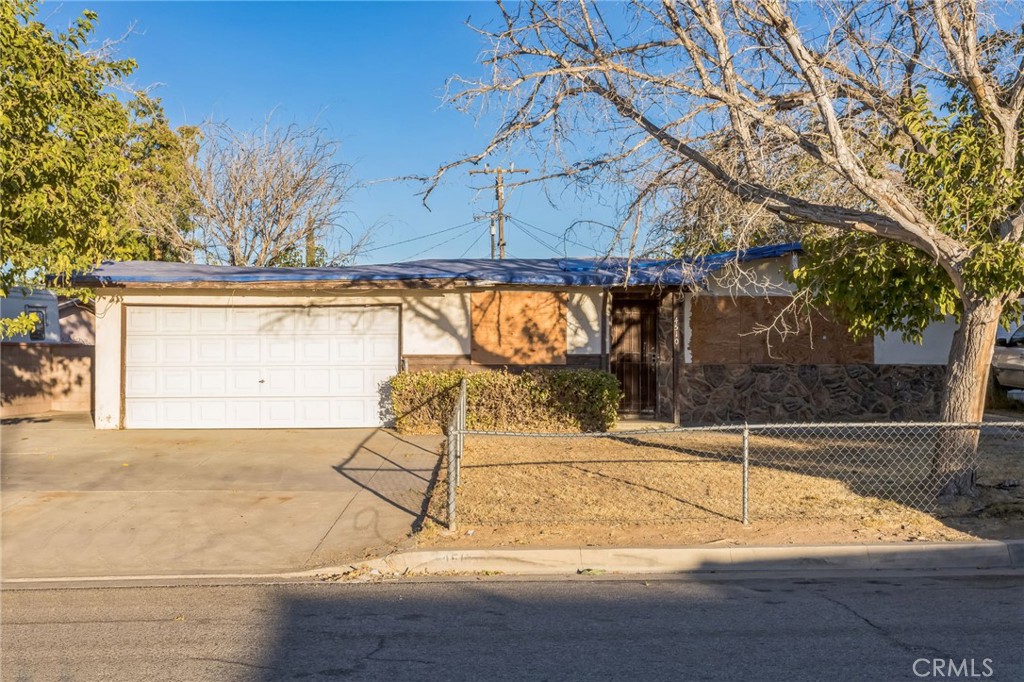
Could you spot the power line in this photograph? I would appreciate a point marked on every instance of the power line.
(475, 242)
(446, 241)
(537, 239)
(414, 239)
(557, 237)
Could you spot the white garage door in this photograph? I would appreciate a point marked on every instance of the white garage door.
(206, 367)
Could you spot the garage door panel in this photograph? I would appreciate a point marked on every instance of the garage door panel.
(244, 382)
(175, 320)
(210, 320)
(141, 320)
(176, 382)
(141, 382)
(371, 412)
(279, 413)
(244, 414)
(210, 351)
(313, 382)
(209, 367)
(212, 383)
(176, 350)
(382, 349)
(377, 378)
(176, 414)
(141, 351)
(280, 321)
(210, 413)
(313, 351)
(314, 321)
(141, 413)
(379, 320)
(278, 350)
(349, 382)
(244, 350)
(314, 413)
(351, 413)
(245, 320)
(348, 350)
(279, 381)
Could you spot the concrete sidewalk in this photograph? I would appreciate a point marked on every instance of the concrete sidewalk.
(991, 555)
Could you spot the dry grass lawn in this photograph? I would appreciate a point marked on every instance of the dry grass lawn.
(672, 489)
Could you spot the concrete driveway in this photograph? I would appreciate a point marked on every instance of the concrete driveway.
(80, 503)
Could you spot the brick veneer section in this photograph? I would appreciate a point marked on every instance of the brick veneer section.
(716, 393)
(435, 363)
(722, 330)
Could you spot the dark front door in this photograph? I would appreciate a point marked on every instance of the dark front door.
(634, 353)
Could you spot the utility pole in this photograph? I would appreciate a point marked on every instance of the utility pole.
(499, 195)
(491, 217)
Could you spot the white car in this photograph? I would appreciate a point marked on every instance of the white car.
(1008, 361)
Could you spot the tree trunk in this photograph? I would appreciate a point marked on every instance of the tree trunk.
(310, 249)
(963, 398)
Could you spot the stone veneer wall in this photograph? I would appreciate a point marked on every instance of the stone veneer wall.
(813, 393)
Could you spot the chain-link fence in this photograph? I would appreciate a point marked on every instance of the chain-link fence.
(739, 473)
(454, 445)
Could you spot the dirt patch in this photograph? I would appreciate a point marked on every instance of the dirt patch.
(660, 490)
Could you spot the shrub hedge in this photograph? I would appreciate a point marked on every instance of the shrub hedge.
(535, 400)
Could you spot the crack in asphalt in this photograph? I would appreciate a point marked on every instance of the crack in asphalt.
(909, 648)
(231, 662)
(381, 641)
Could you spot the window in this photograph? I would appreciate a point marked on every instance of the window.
(38, 332)
(1018, 337)
(519, 327)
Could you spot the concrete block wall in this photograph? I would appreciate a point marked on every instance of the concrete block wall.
(44, 377)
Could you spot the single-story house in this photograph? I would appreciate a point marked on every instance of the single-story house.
(202, 346)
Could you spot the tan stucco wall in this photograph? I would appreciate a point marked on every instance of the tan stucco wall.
(107, 372)
(584, 322)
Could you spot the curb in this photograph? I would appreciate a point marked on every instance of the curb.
(990, 554)
(982, 555)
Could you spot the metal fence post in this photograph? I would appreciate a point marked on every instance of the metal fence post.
(451, 445)
(746, 473)
(462, 430)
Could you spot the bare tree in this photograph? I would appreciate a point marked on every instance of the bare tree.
(271, 197)
(820, 116)
(742, 92)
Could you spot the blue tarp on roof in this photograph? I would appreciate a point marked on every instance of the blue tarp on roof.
(595, 272)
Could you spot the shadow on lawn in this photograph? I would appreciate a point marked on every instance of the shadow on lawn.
(803, 473)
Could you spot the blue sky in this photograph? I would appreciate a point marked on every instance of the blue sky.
(372, 74)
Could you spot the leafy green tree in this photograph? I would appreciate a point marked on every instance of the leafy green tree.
(159, 203)
(79, 168)
(961, 182)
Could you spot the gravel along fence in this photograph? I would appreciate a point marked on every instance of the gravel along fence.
(738, 473)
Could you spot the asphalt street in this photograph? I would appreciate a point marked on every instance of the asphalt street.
(875, 627)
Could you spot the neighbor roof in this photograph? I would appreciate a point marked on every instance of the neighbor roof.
(596, 272)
